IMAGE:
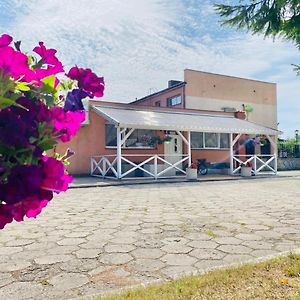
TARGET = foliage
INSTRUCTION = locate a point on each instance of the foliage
(270, 17)
(38, 109)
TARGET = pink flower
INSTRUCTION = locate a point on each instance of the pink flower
(5, 40)
(66, 123)
(15, 64)
(53, 65)
(55, 178)
(88, 81)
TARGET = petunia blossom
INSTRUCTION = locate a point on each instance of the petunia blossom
(74, 100)
(88, 81)
(54, 177)
(5, 40)
(66, 124)
(51, 64)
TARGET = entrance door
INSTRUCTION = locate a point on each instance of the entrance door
(173, 153)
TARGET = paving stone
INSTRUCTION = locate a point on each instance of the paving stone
(62, 249)
(66, 281)
(249, 237)
(87, 253)
(19, 242)
(115, 258)
(176, 248)
(147, 253)
(5, 279)
(237, 258)
(52, 259)
(208, 264)
(117, 248)
(205, 254)
(14, 265)
(71, 241)
(147, 265)
(174, 272)
(10, 250)
(228, 241)
(263, 253)
(178, 259)
(235, 249)
(258, 244)
(28, 290)
(79, 265)
(203, 244)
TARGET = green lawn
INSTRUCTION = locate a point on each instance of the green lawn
(275, 279)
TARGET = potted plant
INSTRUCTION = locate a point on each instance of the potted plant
(246, 169)
(192, 172)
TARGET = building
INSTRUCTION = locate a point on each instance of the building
(206, 116)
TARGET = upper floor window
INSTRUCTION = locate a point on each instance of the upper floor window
(174, 100)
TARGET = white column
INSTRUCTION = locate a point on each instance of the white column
(119, 153)
(189, 147)
(231, 152)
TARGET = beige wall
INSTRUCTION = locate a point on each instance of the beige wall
(213, 92)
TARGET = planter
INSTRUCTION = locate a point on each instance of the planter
(246, 171)
(191, 174)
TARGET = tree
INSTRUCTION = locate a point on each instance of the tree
(269, 17)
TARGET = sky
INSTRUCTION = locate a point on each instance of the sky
(138, 45)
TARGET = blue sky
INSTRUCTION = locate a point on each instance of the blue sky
(138, 45)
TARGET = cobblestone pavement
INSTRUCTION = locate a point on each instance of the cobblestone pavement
(97, 240)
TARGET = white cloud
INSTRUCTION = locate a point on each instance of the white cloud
(137, 45)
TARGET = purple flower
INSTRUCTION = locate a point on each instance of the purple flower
(73, 101)
(87, 80)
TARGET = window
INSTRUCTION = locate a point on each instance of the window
(205, 140)
(110, 135)
(196, 139)
(211, 140)
(174, 100)
(140, 138)
(224, 140)
(157, 103)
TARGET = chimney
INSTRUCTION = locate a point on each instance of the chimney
(172, 83)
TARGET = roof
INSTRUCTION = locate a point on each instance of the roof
(184, 121)
(175, 86)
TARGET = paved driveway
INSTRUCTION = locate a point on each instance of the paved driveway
(96, 240)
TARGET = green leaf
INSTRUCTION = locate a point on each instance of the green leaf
(22, 86)
(49, 81)
(5, 102)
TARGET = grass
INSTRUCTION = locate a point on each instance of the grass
(275, 279)
(209, 232)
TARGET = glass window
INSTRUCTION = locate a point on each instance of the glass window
(196, 140)
(157, 103)
(174, 100)
(139, 138)
(211, 140)
(224, 140)
(110, 135)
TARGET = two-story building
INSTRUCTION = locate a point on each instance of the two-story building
(205, 116)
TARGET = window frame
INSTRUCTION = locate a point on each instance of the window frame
(124, 146)
(210, 148)
(170, 98)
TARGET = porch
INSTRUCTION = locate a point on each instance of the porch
(178, 153)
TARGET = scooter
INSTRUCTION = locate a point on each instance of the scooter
(202, 167)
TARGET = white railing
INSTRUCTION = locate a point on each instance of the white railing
(260, 163)
(152, 166)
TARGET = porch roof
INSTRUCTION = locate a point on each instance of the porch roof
(182, 121)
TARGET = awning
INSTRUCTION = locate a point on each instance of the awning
(181, 121)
